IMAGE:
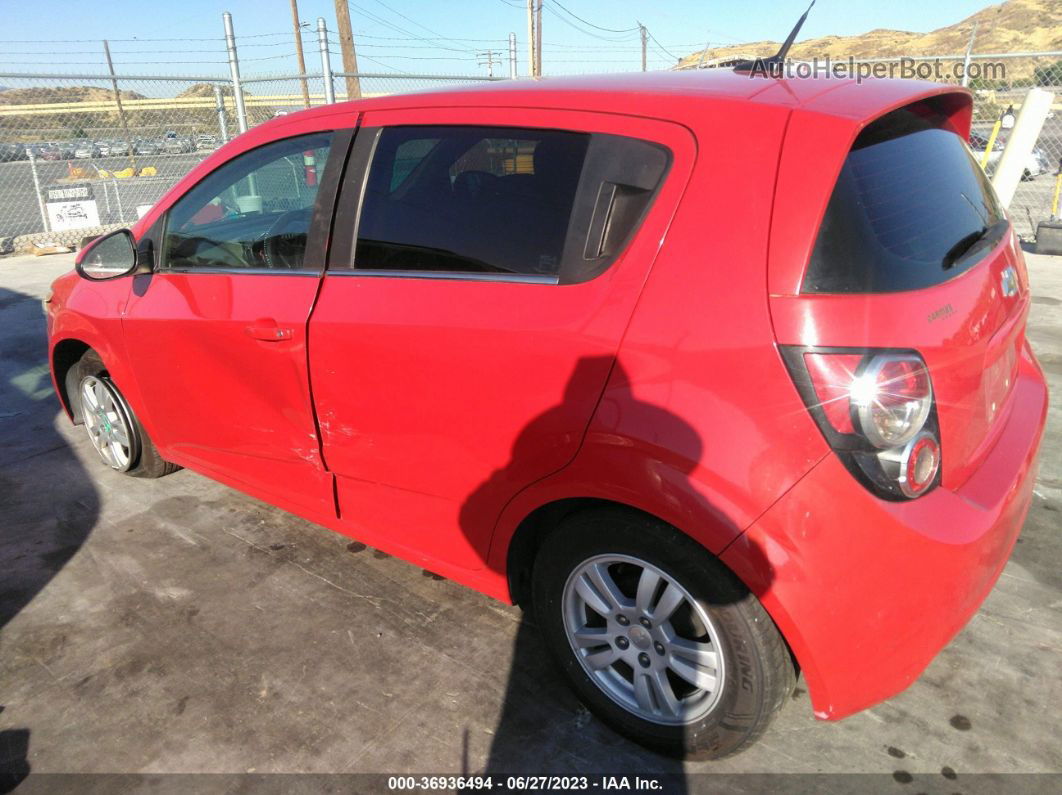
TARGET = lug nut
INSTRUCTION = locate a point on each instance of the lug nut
(645, 622)
(622, 643)
(659, 648)
(622, 620)
(643, 659)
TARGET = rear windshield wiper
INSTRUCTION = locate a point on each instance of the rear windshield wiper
(968, 244)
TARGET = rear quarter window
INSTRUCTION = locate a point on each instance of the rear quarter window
(911, 209)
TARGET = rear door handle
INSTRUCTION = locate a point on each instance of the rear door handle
(269, 331)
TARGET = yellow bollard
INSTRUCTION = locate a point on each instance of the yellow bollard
(991, 142)
(1058, 190)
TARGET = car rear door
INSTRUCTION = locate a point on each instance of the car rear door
(217, 334)
(475, 298)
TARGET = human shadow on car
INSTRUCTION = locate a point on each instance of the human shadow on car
(48, 503)
(543, 727)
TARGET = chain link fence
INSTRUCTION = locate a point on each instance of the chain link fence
(83, 152)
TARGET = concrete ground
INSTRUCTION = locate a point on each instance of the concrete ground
(177, 625)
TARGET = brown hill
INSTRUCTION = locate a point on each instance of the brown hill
(44, 96)
(1012, 26)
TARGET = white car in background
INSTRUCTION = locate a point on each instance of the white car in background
(1035, 163)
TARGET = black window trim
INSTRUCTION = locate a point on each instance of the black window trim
(320, 220)
(340, 260)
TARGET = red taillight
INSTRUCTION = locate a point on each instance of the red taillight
(875, 409)
(892, 397)
(831, 376)
(920, 465)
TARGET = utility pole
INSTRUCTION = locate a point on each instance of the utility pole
(118, 102)
(488, 60)
(346, 47)
(298, 52)
(531, 38)
(538, 39)
(512, 56)
(704, 52)
(645, 41)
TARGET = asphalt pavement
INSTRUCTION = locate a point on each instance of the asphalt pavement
(179, 626)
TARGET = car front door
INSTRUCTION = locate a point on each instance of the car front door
(484, 265)
(217, 333)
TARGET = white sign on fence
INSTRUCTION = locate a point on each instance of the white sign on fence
(71, 207)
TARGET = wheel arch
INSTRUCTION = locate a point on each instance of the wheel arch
(65, 355)
(530, 532)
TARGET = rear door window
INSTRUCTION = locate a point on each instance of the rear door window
(911, 209)
(545, 204)
(470, 200)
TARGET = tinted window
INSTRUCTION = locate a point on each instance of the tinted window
(470, 200)
(252, 212)
(911, 209)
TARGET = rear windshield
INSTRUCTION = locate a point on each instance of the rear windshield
(911, 209)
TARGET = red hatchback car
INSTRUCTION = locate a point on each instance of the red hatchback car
(723, 377)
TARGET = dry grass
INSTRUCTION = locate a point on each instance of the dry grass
(1013, 26)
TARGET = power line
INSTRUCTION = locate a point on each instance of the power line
(408, 19)
(585, 32)
(661, 46)
(591, 24)
(380, 20)
(421, 38)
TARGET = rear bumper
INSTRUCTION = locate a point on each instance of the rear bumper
(867, 591)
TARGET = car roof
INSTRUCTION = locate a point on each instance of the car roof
(667, 95)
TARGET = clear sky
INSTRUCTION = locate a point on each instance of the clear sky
(431, 36)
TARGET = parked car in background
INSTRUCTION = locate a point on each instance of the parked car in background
(118, 148)
(56, 151)
(1036, 162)
(87, 149)
(104, 148)
(719, 377)
(178, 145)
(146, 147)
(9, 152)
(206, 142)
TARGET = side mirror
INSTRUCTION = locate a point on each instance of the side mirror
(108, 257)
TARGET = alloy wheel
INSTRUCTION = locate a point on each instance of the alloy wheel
(109, 426)
(643, 639)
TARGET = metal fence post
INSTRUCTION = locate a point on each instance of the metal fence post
(512, 56)
(326, 63)
(37, 187)
(234, 67)
(223, 125)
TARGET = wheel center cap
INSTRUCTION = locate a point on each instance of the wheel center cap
(640, 638)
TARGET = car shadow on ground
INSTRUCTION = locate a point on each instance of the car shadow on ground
(544, 729)
(48, 504)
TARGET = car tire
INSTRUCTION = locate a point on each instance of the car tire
(112, 425)
(706, 717)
